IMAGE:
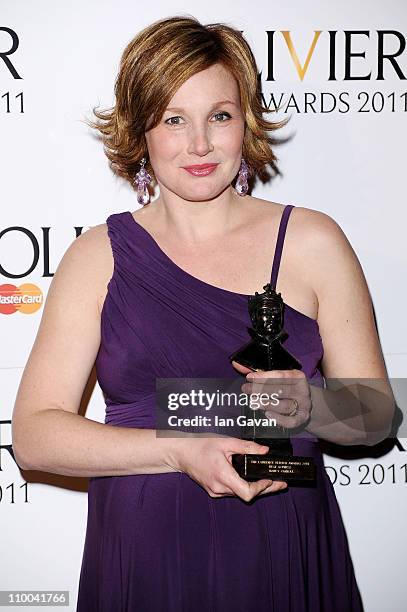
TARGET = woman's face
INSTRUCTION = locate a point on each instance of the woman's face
(202, 124)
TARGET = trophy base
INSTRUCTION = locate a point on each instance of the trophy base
(275, 467)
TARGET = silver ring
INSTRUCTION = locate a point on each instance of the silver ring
(294, 411)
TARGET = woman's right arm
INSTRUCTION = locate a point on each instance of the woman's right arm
(49, 435)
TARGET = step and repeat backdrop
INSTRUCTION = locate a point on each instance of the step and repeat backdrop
(339, 71)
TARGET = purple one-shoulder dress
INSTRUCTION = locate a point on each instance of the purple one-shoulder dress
(159, 542)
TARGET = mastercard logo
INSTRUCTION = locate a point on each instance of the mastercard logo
(26, 298)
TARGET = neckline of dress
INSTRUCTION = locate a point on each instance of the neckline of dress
(195, 279)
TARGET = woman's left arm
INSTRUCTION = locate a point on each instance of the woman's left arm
(352, 348)
(357, 404)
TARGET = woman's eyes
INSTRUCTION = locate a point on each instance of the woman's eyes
(168, 121)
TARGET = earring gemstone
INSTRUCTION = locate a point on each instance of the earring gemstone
(142, 180)
(242, 185)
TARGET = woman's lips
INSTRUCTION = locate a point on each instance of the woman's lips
(201, 170)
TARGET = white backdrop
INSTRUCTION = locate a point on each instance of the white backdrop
(346, 159)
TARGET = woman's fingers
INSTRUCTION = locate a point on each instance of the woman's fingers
(241, 368)
(247, 490)
(215, 472)
(276, 486)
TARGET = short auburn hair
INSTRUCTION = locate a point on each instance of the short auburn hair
(154, 65)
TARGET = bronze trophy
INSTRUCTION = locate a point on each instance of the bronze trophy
(265, 352)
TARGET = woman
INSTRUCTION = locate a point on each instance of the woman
(162, 292)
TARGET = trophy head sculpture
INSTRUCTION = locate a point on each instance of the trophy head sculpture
(266, 312)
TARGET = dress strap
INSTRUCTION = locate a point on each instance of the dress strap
(279, 244)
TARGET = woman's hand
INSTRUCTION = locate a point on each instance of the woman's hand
(294, 405)
(208, 461)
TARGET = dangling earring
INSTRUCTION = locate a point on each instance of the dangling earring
(142, 180)
(242, 185)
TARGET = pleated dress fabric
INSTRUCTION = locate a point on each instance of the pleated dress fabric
(159, 542)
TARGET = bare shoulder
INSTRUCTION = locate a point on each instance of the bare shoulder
(309, 232)
(321, 241)
(91, 252)
(267, 209)
(97, 240)
(320, 249)
(315, 225)
(316, 254)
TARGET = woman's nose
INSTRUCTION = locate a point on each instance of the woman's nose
(200, 141)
